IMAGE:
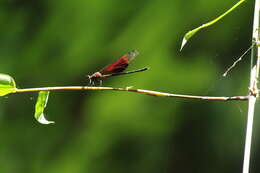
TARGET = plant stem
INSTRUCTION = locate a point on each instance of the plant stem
(129, 89)
(253, 94)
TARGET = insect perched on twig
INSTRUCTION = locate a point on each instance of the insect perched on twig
(115, 68)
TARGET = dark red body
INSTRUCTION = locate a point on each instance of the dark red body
(118, 66)
(121, 64)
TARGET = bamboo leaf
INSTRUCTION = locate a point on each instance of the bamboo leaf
(40, 106)
(7, 84)
(189, 34)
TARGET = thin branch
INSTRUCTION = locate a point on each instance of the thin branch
(130, 89)
(253, 94)
(237, 61)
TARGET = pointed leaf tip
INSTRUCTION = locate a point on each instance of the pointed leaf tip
(40, 106)
(43, 120)
(184, 41)
(7, 84)
(187, 36)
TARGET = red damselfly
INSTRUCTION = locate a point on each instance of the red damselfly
(115, 68)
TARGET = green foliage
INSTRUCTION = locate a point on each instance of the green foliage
(7, 84)
(40, 105)
(189, 34)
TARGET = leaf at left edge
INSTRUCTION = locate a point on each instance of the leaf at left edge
(7, 84)
(39, 107)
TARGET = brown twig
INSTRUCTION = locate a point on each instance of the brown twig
(130, 89)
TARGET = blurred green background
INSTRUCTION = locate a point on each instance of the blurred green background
(58, 42)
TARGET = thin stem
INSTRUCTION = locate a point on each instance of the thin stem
(129, 89)
(237, 61)
(253, 94)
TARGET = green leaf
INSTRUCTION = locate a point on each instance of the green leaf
(7, 84)
(39, 107)
(189, 34)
